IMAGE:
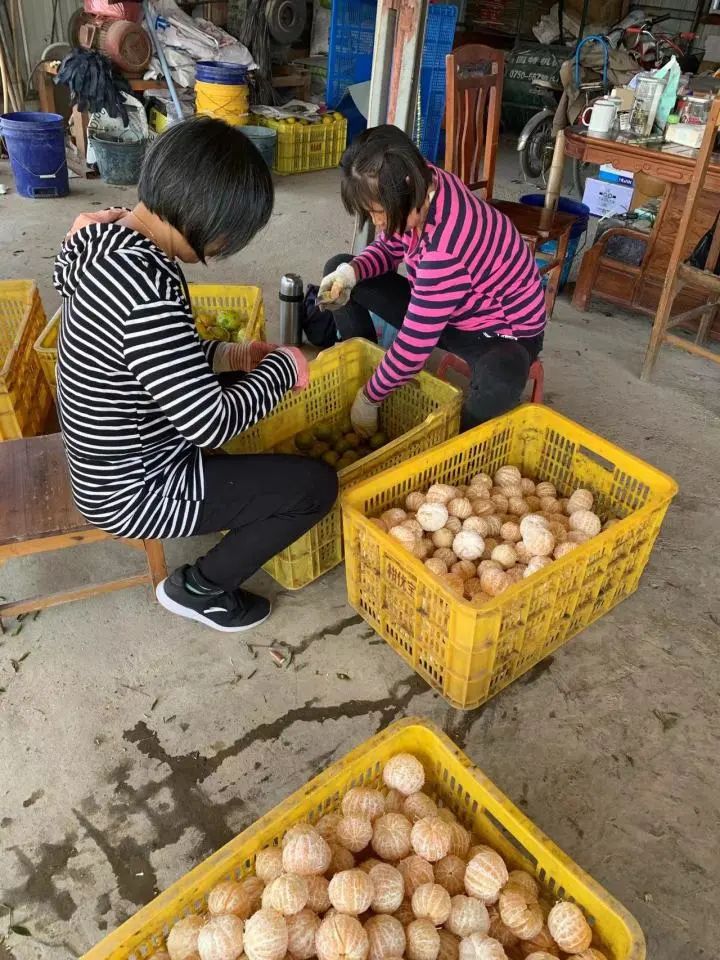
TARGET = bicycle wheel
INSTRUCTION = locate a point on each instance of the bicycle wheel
(535, 159)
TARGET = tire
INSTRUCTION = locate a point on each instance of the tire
(581, 171)
(536, 157)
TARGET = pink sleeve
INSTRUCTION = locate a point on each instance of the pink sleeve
(381, 256)
(441, 283)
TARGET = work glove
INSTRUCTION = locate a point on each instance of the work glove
(240, 357)
(301, 365)
(364, 414)
(336, 287)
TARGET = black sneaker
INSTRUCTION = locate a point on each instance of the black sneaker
(227, 612)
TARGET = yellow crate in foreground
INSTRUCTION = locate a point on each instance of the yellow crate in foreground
(453, 781)
(424, 412)
(303, 147)
(206, 298)
(467, 653)
(25, 399)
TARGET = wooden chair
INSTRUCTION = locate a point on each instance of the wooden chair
(37, 515)
(474, 82)
(679, 273)
(596, 259)
(474, 75)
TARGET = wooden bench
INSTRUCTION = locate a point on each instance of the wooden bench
(37, 515)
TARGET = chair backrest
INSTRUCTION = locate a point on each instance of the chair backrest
(474, 85)
(702, 163)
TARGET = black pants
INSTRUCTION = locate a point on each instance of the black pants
(499, 366)
(265, 502)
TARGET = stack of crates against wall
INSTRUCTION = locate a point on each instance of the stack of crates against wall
(25, 398)
(422, 413)
(304, 146)
(350, 55)
(238, 305)
(469, 653)
(453, 782)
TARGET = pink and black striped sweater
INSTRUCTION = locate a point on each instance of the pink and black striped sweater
(470, 269)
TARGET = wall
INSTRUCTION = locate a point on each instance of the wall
(38, 23)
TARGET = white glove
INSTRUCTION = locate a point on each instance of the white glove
(364, 414)
(336, 287)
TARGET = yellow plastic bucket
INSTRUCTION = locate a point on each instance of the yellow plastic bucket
(228, 102)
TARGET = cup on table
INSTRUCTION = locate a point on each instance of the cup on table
(599, 117)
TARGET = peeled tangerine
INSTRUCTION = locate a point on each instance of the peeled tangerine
(449, 946)
(585, 521)
(221, 938)
(430, 838)
(590, 954)
(230, 897)
(431, 902)
(479, 947)
(506, 475)
(391, 836)
(341, 938)
(415, 871)
(459, 839)
(305, 852)
(486, 875)
(386, 936)
(351, 891)
(388, 888)
(355, 833)
(253, 887)
(468, 545)
(579, 500)
(363, 802)
(441, 492)
(419, 805)
(467, 916)
(569, 928)
(542, 943)
(522, 915)
(287, 894)
(302, 928)
(423, 940)
(432, 515)
(183, 938)
(266, 936)
(450, 873)
(318, 899)
(269, 864)
(405, 773)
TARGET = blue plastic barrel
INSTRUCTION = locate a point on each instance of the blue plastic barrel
(565, 205)
(36, 145)
(215, 71)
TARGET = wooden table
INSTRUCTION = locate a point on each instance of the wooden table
(674, 166)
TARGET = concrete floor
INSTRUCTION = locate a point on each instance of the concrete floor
(134, 743)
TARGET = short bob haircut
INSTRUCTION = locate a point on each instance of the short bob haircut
(206, 179)
(384, 167)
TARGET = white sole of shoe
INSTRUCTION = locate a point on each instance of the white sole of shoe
(165, 601)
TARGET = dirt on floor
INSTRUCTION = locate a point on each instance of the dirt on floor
(134, 743)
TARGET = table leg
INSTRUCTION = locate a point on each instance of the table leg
(46, 92)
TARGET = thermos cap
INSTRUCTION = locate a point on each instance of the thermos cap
(291, 286)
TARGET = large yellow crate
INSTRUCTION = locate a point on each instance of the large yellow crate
(468, 653)
(303, 147)
(453, 781)
(424, 412)
(25, 399)
(208, 297)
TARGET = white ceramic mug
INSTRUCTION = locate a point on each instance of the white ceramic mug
(602, 116)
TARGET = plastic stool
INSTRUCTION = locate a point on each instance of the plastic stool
(536, 374)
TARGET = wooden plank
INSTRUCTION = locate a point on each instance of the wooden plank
(60, 541)
(18, 607)
(13, 470)
(691, 347)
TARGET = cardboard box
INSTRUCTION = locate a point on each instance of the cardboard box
(609, 174)
(605, 199)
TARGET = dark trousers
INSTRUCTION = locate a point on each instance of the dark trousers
(499, 367)
(265, 502)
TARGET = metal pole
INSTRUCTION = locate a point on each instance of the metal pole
(163, 61)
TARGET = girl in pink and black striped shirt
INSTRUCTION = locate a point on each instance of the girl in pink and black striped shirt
(472, 286)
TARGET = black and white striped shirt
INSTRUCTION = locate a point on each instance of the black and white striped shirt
(136, 393)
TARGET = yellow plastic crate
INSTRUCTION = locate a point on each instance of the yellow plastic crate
(468, 653)
(453, 781)
(303, 147)
(424, 412)
(209, 297)
(25, 399)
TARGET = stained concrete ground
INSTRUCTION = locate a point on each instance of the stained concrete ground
(135, 743)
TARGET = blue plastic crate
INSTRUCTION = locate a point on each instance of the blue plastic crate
(352, 39)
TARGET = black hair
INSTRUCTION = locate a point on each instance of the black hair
(206, 179)
(383, 166)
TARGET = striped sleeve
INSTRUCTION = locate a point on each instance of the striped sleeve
(381, 256)
(163, 352)
(441, 283)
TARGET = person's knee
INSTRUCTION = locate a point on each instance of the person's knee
(322, 485)
(334, 262)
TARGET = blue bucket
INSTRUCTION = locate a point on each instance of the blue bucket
(565, 205)
(214, 71)
(36, 145)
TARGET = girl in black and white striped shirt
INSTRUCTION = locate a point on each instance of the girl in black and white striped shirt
(140, 395)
